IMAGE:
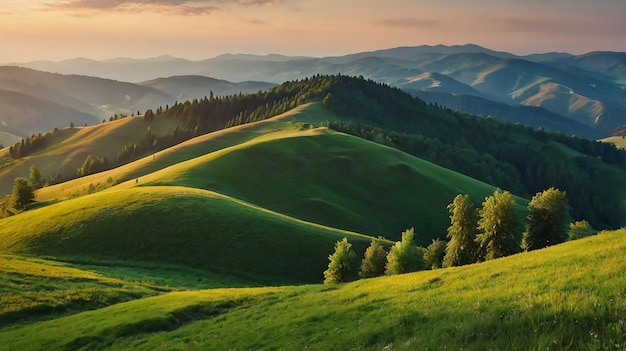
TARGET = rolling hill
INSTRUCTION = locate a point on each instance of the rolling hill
(527, 301)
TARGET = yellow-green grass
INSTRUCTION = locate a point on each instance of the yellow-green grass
(34, 289)
(67, 151)
(295, 119)
(567, 297)
(334, 179)
(174, 225)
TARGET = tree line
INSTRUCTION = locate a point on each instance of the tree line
(475, 235)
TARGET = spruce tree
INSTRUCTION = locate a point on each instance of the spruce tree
(462, 248)
(548, 212)
(373, 264)
(497, 227)
(340, 265)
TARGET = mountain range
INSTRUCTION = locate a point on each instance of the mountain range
(583, 94)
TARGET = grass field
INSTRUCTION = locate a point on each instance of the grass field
(567, 297)
(617, 140)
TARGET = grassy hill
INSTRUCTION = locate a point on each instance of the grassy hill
(320, 176)
(547, 299)
(67, 148)
(188, 227)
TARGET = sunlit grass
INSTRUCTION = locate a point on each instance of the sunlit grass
(567, 297)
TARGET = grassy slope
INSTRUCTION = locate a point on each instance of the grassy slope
(68, 150)
(319, 175)
(548, 299)
(183, 226)
(292, 120)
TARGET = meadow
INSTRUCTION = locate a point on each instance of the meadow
(567, 297)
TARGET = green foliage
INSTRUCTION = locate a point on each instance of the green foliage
(35, 177)
(92, 165)
(404, 256)
(434, 253)
(461, 248)
(340, 265)
(373, 263)
(22, 194)
(580, 229)
(548, 213)
(498, 227)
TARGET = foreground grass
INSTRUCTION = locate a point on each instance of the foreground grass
(568, 297)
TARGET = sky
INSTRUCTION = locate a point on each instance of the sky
(198, 29)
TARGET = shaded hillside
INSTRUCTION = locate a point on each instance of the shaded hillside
(189, 227)
(96, 96)
(535, 117)
(609, 64)
(197, 87)
(332, 179)
(24, 115)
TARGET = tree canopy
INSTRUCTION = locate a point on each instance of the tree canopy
(462, 247)
(340, 265)
(497, 227)
(404, 256)
(548, 213)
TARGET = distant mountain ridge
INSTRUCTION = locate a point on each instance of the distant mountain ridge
(585, 89)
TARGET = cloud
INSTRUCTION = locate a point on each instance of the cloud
(171, 7)
(409, 22)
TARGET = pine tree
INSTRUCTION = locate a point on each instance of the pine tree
(548, 212)
(373, 264)
(340, 265)
(462, 248)
(497, 227)
(404, 257)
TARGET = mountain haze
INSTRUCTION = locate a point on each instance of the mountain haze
(587, 89)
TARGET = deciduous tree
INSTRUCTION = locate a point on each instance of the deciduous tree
(404, 256)
(373, 264)
(22, 193)
(434, 253)
(548, 212)
(340, 265)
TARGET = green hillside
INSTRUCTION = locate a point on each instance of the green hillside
(334, 179)
(548, 299)
(188, 227)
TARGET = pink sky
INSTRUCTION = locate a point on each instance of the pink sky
(100, 29)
